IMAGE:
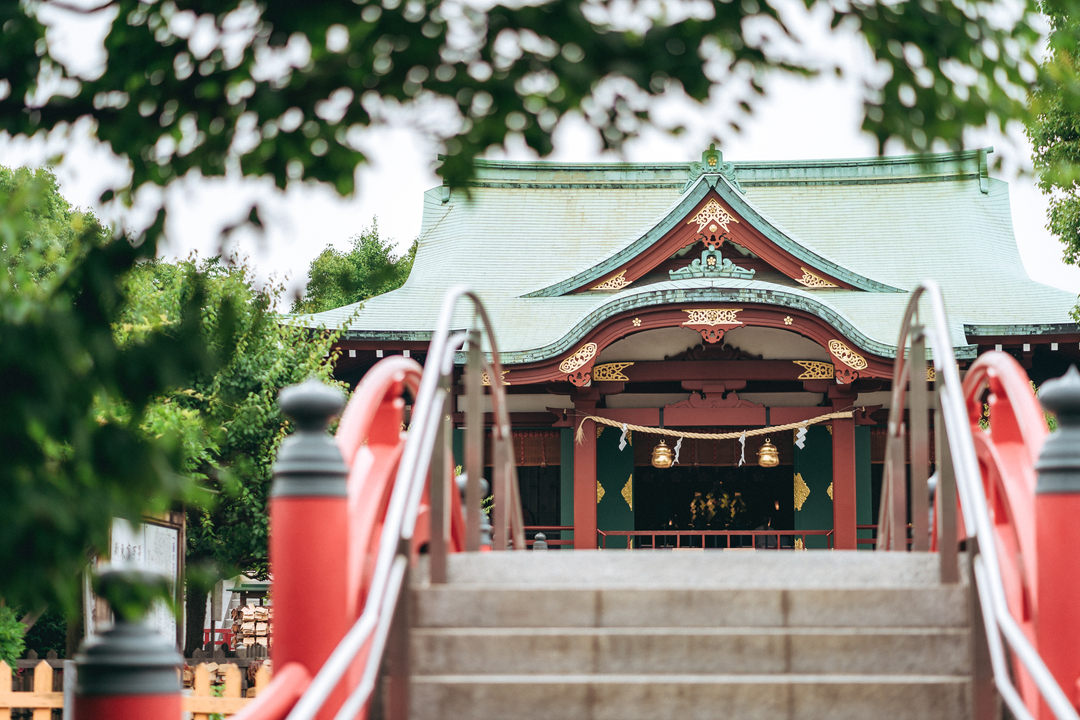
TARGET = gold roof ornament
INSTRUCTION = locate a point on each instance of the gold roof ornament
(768, 455)
(662, 456)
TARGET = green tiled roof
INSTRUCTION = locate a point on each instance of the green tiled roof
(525, 230)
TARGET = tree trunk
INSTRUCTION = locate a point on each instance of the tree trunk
(195, 613)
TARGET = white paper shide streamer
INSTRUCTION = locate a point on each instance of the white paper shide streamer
(800, 437)
(742, 450)
(622, 438)
(678, 447)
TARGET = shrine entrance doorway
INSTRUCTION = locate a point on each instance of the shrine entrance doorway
(708, 498)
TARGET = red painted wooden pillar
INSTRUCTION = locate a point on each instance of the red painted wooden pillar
(585, 487)
(843, 472)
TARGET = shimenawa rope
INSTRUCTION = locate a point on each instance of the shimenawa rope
(580, 435)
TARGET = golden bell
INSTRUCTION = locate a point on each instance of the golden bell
(661, 456)
(768, 455)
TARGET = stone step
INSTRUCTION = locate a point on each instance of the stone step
(678, 650)
(688, 697)
(528, 606)
(704, 569)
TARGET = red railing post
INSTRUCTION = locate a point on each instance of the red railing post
(129, 671)
(1057, 535)
(309, 535)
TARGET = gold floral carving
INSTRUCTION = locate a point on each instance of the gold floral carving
(599, 430)
(931, 374)
(485, 380)
(815, 370)
(637, 322)
(617, 282)
(802, 491)
(846, 355)
(599, 492)
(628, 492)
(799, 544)
(713, 316)
(610, 372)
(584, 354)
(811, 280)
(712, 212)
(828, 491)
(788, 320)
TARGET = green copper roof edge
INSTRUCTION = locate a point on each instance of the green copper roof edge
(697, 295)
(614, 185)
(690, 198)
(503, 184)
(1024, 329)
(919, 158)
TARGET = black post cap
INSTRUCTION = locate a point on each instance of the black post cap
(1059, 461)
(309, 463)
(130, 658)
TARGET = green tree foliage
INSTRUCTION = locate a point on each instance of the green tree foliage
(75, 400)
(367, 269)
(228, 420)
(278, 88)
(12, 641)
(1054, 130)
(49, 632)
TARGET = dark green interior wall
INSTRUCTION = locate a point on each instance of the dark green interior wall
(614, 469)
(864, 501)
(814, 464)
(457, 441)
(566, 483)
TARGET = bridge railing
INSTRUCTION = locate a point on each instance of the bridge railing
(394, 513)
(1022, 592)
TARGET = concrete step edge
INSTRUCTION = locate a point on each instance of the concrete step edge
(770, 679)
(692, 631)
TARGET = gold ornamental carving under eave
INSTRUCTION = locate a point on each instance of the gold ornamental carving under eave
(802, 491)
(713, 316)
(628, 492)
(712, 212)
(610, 372)
(815, 370)
(599, 492)
(617, 282)
(811, 280)
(485, 380)
(828, 491)
(584, 354)
(846, 355)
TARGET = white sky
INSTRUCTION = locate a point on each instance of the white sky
(799, 120)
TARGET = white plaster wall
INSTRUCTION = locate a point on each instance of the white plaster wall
(775, 344)
(525, 403)
(650, 345)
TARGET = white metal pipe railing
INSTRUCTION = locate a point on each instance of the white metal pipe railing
(391, 565)
(999, 625)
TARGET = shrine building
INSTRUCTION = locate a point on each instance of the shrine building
(713, 297)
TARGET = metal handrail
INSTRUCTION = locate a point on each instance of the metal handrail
(1000, 626)
(391, 566)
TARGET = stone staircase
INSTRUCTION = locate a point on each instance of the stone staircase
(690, 636)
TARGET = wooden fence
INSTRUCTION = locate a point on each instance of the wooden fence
(206, 698)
